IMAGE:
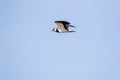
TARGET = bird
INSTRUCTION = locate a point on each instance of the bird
(62, 27)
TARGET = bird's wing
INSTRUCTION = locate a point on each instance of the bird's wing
(62, 26)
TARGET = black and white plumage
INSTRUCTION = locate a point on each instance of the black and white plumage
(62, 27)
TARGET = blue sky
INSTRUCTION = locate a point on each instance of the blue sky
(29, 50)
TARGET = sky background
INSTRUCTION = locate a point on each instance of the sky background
(29, 50)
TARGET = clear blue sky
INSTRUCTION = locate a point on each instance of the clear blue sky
(29, 50)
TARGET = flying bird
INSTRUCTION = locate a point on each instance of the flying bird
(62, 27)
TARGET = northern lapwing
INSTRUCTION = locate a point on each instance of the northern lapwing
(62, 27)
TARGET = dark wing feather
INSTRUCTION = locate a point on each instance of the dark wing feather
(66, 26)
(64, 22)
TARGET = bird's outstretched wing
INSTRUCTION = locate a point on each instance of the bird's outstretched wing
(63, 24)
(62, 27)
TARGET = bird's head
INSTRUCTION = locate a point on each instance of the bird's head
(54, 29)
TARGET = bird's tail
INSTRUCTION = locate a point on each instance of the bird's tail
(72, 26)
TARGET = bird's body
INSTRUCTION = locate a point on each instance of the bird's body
(62, 27)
